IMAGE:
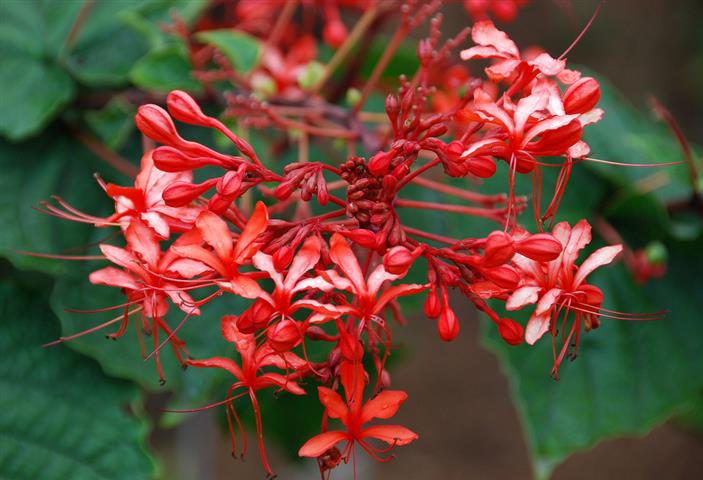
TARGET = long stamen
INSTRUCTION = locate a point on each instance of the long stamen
(90, 330)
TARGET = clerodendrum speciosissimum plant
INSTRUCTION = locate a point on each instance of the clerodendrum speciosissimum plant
(335, 276)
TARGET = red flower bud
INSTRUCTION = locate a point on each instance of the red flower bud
(432, 305)
(284, 335)
(511, 331)
(504, 276)
(184, 109)
(335, 33)
(155, 123)
(179, 194)
(379, 163)
(255, 317)
(499, 249)
(541, 247)
(362, 237)
(482, 167)
(398, 260)
(448, 325)
(581, 96)
(282, 257)
(169, 159)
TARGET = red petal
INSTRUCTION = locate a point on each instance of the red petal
(219, 362)
(216, 234)
(342, 255)
(319, 444)
(333, 403)
(256, 224)
(384, 405)
(391, 434)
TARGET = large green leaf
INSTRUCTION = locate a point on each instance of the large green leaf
(61, 416)
(33, 88)
(164, 70)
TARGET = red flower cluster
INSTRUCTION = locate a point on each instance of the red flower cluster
(335, 276)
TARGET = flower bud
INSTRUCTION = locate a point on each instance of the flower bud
(542, 247)
(511, 331)
(499, 249)
(398, 260)
(362, 237)
(169, 159)
(504, 276)
(448, 325)
(335, 33)
(255, 317)
(282, 257)
(183, 108)
(432, 305)
(284, 335)
(154, 122)
(180, 194)
(482, 167)
(582, 96)
(379, 163)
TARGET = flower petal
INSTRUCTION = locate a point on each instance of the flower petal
(383, 405)
(344, 257)
(114, 277)
(258, 222)
(537, 326)
(391, 434)
(306, 258)
(600, 257)
(216, 234)
(522, 296)
(219, 362)
(319, 444)
(333, 403)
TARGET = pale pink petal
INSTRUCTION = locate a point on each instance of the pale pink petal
(579, 149)
(243, 286)
(600, 257)
(527, 106)
(537, 326)
(157, 223)
(142, 241)
(378, 277)
(486, 34)
(522, 296)
(306, 258)
(188, 268)
(547, 64)
(547, 301)
(264, 263)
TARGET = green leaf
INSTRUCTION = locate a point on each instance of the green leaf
(62, 417)
(33, 93)
(628, 377)
(242, 50)
(33, 171)
(114, 123)
(33, 88)
(164, 70)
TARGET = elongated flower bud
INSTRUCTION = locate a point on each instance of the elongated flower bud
(399, 259)
(447, 325)
(179, 194)
(498, 250)
(504, 276)
(255, 317)
(541, 247)
(184, 109)
(379, 163)
(282, 257)
(482, 167)
(362, 237)
(432, 305)
(155, 123)
(511, 331)
(582, 96)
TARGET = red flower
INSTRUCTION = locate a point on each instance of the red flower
(227, 255)
(354, 414)
(559, 287)
(250, 377)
